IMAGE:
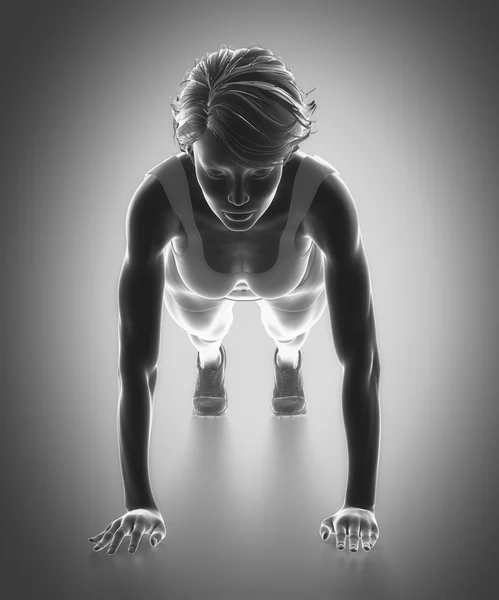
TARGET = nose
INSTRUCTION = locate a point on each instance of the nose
(239, 199)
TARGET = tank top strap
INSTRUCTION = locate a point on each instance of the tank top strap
(171, 174)
(311, 173)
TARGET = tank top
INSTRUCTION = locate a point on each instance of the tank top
(290, 267)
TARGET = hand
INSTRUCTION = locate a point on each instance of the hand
(135, 522)
(356, 523)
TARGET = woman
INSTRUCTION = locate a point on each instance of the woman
(241, 214)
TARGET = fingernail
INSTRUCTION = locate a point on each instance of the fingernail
(97, 547)
(154, 542)
(341, 547)
(131, 550)
(325, 535)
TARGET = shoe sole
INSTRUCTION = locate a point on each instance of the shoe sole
(214, 407)
(288, 407)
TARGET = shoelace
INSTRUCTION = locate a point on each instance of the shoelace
(289, 382)
(206, 382)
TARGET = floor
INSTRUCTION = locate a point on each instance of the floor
(242, 495)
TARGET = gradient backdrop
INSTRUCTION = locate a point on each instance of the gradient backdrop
(407, 96)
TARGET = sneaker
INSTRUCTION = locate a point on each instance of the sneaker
(210, 396)
(288, 398)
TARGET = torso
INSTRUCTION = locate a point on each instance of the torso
(254, 251)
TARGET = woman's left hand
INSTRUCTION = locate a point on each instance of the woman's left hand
(358, 524)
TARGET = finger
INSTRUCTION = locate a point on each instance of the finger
(137, 534)
(365, 534)
(108, 536)
(118, 537)
(353, 534)
(100, 535)
(341, 535)
(157, 535)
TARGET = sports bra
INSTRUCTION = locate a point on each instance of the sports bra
(278, 281)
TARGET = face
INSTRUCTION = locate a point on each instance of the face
(237, 195)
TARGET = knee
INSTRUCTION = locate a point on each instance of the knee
(283, 326)
(210, 328)
(288, 325)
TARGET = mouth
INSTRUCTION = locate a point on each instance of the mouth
(239, 217)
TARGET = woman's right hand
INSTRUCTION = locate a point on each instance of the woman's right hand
(135, 523)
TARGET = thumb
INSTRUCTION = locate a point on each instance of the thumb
(326, 529)
(156, 537)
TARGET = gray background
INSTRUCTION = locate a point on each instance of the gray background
(407, 96)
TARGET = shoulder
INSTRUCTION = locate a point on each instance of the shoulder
(332, 220)
(169, 166)
(315, 163)
(151, 222)
(150, 199)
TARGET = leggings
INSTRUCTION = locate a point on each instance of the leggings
(287, 320)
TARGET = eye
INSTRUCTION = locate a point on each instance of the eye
(215, 174)
(261, 173)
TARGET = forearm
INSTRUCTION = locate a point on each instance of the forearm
(134, 429)
(361, 416)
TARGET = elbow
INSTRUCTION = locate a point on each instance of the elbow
(361, 382)
(376, 366)
(364, 362)
(131, 366)
(137, 354)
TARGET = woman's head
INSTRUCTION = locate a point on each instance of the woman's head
(250, 103)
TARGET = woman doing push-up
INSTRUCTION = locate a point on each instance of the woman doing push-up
(242, 214)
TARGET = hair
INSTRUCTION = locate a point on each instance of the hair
(250, 102)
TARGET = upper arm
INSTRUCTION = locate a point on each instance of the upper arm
(150, 222)
(149, 228)
(348, 287)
